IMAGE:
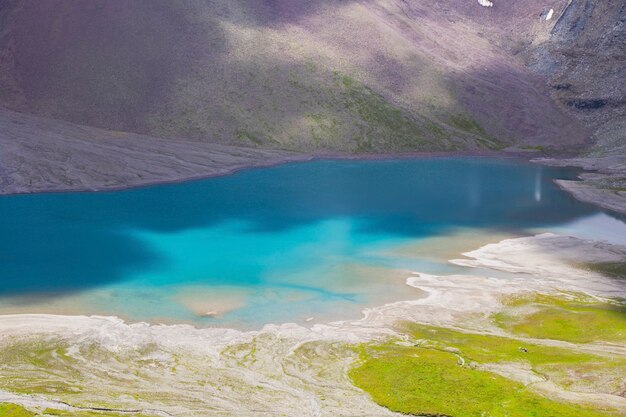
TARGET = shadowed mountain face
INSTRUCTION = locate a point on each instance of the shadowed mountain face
(584, 61)
(359, 76)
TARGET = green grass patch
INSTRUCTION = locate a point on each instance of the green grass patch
(567, 368)
(13, 410)
(426, 381)
(573, 319)
(492, 349)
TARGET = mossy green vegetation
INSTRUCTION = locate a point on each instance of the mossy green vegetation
(86, 413)
(565, 367)
(537, 148)
(40, 358)
(385, 125)
(483, 348)
(379, 117)
(421, 380)
(433, 370)
(263, 375)
(13, 410)
(244, 135)
(465, 123)
(612, 269)
(571, 317)
(310, 108)
(449, 372)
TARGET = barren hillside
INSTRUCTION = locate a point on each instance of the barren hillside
(344, 75)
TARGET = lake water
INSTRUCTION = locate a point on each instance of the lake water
(296, 242)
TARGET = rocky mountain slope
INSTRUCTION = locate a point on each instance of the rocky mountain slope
(341, 75)
(38, 154)
(584, 61)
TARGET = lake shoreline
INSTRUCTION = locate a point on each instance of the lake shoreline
(603, 182)
(463, 303)
(328, 221)
(557, 269)
(584, 189)
(253, 164)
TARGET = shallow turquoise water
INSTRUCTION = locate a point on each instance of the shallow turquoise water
(264, 245)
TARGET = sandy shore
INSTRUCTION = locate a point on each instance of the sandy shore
(291, 369)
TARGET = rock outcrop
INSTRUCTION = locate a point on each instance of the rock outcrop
(584, 61)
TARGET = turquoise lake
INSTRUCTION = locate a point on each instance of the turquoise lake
(297, 242)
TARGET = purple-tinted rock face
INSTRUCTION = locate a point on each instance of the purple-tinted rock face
(329, 75)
